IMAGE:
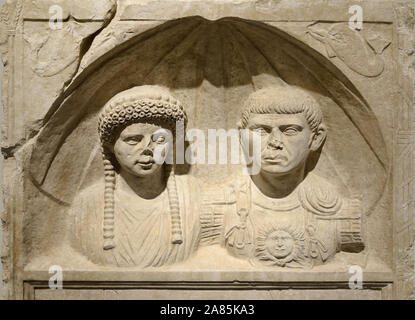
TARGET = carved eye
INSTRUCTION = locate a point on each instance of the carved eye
(260, 131)
(160, 139)
(291, 131)
(133, 140)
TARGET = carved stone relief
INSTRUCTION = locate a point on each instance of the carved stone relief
(148, 216)
(361, 54)
(286, 215)
(112, 175)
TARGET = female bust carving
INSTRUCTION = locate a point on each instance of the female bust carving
(142, 214)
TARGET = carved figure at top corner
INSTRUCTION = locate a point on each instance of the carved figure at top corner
(361, 54)
(142, 214)
(285, 215)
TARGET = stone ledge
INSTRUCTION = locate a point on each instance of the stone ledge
(205, 286)
(209, 279)
(285, 10)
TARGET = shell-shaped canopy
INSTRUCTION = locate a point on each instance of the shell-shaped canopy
(211, 66)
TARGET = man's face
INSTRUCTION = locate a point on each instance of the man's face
(285, 141)
(136, 146)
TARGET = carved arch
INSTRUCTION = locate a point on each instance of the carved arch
(211, 66)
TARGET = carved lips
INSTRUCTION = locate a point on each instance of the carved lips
(146, 162)
(273, 155)
(275, 159)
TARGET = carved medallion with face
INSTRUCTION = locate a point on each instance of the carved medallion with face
(138, 151)
(280, 244)
(286, 141)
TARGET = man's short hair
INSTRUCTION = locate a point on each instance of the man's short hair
(283, 100)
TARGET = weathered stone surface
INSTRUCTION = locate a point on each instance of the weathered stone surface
(261, 10)
(205, 295)
(91, 108)
(79, 10)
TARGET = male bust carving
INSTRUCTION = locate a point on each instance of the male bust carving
(285, 216)
(142, 214)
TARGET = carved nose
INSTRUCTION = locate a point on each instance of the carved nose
(276, 144)
(279, 243)
(275, 140)
(149, 147)
(148, 151)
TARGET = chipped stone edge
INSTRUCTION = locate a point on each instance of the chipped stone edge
(10, 16)
(13, 148)
(403, 256)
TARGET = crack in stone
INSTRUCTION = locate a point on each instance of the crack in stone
(9, 151)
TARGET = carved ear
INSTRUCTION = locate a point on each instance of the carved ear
(240, 129)
(318, 138)
(239, 125)
(242, 141)
(244, 144)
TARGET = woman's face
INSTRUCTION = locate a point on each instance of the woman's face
(141, 148)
